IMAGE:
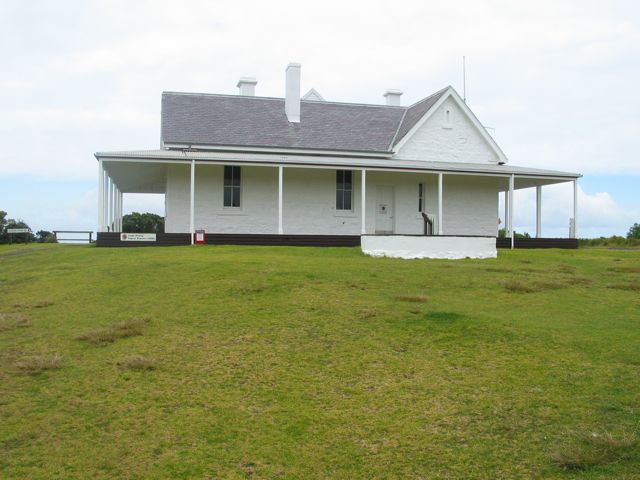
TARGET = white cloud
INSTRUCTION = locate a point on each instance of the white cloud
(598, 214)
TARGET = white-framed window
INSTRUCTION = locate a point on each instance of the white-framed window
(231, 188)
(344, 189)
(421, 197)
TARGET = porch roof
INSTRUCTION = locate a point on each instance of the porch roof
(318, 161)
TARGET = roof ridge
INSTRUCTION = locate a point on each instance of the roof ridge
(428, 97)
(393, 140)
(281, 99)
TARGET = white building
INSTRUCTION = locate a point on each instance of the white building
(305, 171)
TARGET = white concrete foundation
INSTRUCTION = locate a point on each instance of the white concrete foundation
(408, 246)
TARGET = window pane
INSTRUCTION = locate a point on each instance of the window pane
(347, 200)
(236, 176)
(347, 179)
(339, 179)
(339, 203)
(227, 196)
(236, 196)
(228, 173)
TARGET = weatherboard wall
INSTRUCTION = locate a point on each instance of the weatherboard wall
(470, 204)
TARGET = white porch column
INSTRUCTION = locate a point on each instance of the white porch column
(575, 208)
(506, 213)
(440, 223)
(192, 200)
(118, 208)
(538, 211)
(120, 203)
(363, 200)
(105, 200)
(280, 187)
(111, 188)
(115, 207)
(511, 185)
(100, 197)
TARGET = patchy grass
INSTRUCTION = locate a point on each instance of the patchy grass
(13, 320)
(36, 304)
(412, 298)
(586, 451)
(39, 363)
(443, 316)
(527, 286)
(124, 329)
(633, 287)
(314, 363)
(137, 362)
(625, 269)
(580, 281)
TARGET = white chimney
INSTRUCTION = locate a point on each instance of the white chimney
(292, 93)
(393, 97)
(247, 86)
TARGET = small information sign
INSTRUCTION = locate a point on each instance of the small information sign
(138, 237)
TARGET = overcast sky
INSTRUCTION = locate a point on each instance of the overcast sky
(557, 82)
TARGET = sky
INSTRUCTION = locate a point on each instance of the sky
(556, 82)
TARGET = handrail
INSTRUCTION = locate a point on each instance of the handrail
(428, 224)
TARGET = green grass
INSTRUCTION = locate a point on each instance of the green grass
(304, 363)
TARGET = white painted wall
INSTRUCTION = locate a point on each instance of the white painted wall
(470, 203)
(456, 140)
(408, 247)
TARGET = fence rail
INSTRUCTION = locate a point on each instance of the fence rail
(85, 239)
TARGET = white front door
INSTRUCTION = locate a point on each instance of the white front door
(384, 209)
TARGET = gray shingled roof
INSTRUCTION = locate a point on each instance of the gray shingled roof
(205, 119)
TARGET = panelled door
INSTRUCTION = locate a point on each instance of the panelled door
(384, 209)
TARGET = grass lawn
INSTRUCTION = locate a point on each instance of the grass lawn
(304, 363)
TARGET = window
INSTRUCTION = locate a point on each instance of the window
(420, 197)
(231, 186)
(344, 189)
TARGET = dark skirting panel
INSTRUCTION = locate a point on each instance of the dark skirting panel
(112, 239)
(567, 243)
(283, 240)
